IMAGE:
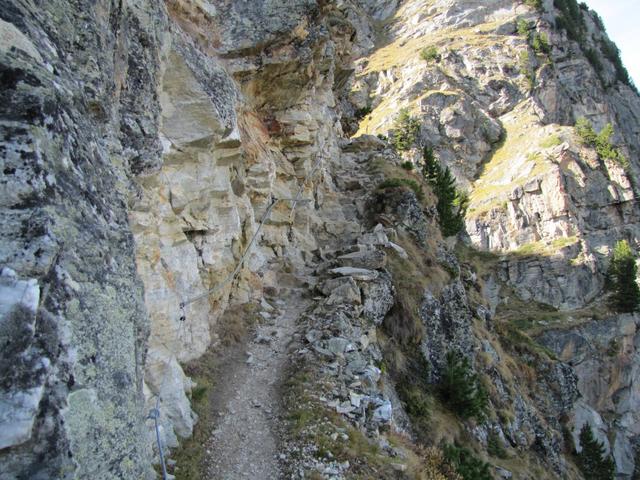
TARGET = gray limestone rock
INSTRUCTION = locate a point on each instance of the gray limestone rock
(359, 274)
(71, 138)
(368, 258)
(142, 141)
(448, 323)
(379, 297)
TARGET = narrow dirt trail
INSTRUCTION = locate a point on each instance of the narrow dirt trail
(244, 443)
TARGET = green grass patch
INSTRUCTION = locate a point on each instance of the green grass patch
(544, 248)
(430, 54)
(408, 165)
(514, 339)
(551, 141)
(190, 455)
(495, 447)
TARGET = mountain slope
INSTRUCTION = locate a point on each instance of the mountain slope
(169, 166)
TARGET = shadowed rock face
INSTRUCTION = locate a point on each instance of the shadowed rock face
(69, 141)
(604, 355)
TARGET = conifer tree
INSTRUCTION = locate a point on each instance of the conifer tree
(405, 131)
(461, 389)
(592, 459)
(622, 278)
(466, 464)
(431, 167)
(452, 203)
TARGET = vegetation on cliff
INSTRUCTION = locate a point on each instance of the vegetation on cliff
(600, 141)
(460, 388)
(452, 203)
(592, 459)
(622, 278)
(405, 131)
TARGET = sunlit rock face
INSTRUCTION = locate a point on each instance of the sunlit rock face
(238, 130)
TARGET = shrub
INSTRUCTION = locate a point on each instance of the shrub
(495, 447)
(430, 54)
(571, 19)
(537, 4)
(603, 143)
(551, 141)
(526, 69)
(600, 141)
(407, 165)
(613, 348)
(592, 460)
(417, 404)
(434, 466)
(523, 27)
(585, 131)
(405, 130)
(363, 112)
(466, 463)
(460, 388)
(403, 182)
(611, 53)
(621, 278)
(540, 43)
(452, 204)
(594, 59)
(598, 21)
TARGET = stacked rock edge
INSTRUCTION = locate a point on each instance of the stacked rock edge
(141, 143)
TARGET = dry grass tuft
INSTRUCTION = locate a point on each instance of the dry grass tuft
(190, 456)
(236, 323)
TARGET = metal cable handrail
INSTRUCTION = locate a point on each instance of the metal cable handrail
(154, 413)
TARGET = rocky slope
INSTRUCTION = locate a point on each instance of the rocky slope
(145, 144)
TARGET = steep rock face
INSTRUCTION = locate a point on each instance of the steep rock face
(215, 110)
(246, 119)
(497, 111)
(604, 355)
(73, 313)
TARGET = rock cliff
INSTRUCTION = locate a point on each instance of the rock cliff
(166, 164)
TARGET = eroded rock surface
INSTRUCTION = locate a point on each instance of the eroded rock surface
(144, 145)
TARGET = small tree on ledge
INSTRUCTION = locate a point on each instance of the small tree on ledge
(452, 203)
(461, 389)
(592, 459)
(621, 278)
(405, 130)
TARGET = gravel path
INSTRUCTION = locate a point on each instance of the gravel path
(245, 441)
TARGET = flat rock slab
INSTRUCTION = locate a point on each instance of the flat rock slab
(361, 274)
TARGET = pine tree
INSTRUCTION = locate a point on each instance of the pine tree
(452, 203)
(405, 131)
(466, 464)
(460, 388)
(621, 278)
(431, 167)
(592, 459)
